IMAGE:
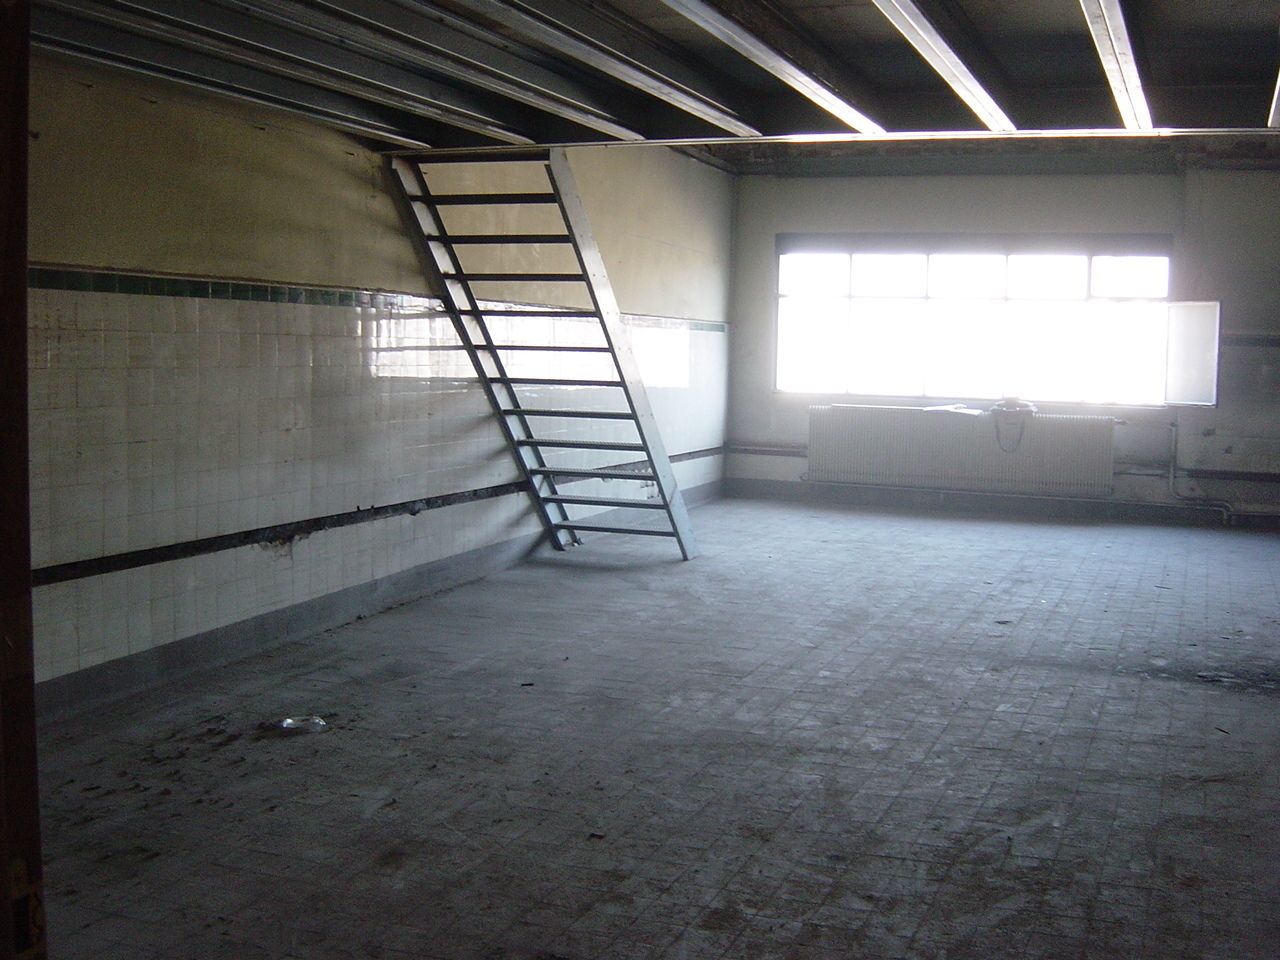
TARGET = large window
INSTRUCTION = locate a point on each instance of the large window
(1043, 326)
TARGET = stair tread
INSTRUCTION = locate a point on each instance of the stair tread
(518, 277)
(477, 199)
(484, 239)
(553, 314)
(538, 347)
(585, 414)
(582, 444)
(601, 472)
(557, 381)
(622, 502)
(460, 155)
(604, 528)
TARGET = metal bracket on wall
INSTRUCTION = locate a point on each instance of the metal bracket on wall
(549, 370)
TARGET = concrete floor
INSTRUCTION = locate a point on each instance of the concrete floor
(837, 734)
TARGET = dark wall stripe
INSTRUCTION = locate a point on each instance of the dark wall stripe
(103, 281)
(108, 281)
(281, 533)
(696, 454)
(767, 451)
(1251, 476)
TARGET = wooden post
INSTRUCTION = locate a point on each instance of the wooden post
(22, 920)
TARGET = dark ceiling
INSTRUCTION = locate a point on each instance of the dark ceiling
(460, 73)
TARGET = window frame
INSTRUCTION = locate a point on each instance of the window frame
(1006, 244)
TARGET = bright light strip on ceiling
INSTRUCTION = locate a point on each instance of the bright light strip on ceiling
(761, 54)
(1273, 120)
(920, 33)
(1111, 37)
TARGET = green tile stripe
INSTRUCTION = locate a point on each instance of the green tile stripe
(102, 281)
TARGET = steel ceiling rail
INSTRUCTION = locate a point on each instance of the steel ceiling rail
(918, 31)
(66, 36)
(430, 42)
(1273, 118)
(785, 66)
(586, 36)
(1111, 37)
(210, 29)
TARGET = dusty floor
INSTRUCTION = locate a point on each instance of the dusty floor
(837, 734)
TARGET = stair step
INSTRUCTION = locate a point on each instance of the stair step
(517, 277)
(496, 239)
(555, 382)
(506, 156)
(477, 199)
(602, 528)
(601, 473)
(553, 314)
(548, 348)
(621, 502)
(583, 414)
(583, 444)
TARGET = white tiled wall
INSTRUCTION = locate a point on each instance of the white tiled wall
(158, 420)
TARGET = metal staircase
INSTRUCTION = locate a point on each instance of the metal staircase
(541, 416)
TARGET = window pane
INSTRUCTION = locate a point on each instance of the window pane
(813, 274)
(1193, 353)
(1050, 343)
(813, 344)
(1146, 277)
(884, 343)
(968, 275)
(964, 349)
(1048, 276)
(889, 274)
(1132, 367)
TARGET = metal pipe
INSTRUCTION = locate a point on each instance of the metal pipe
(1221, 505)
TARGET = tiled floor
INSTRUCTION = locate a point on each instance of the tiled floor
(837, 734)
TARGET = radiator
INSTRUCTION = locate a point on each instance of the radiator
(910, 447)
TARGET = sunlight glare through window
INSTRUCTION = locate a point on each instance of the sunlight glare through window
(1144, 277)
(1040, 276)
(813, 274)
(889, 274)
(1054, 327)
(967, 275)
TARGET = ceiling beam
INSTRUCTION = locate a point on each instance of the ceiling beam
(81, 40)
(958, 31)
(206, 28)
(1273, 118)
(387, 29)
(1111, 37)
(584, 35)
(919, 30)
(765, 39)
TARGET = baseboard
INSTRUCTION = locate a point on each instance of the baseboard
(703, 493)
(971, 503)
(72, 692)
